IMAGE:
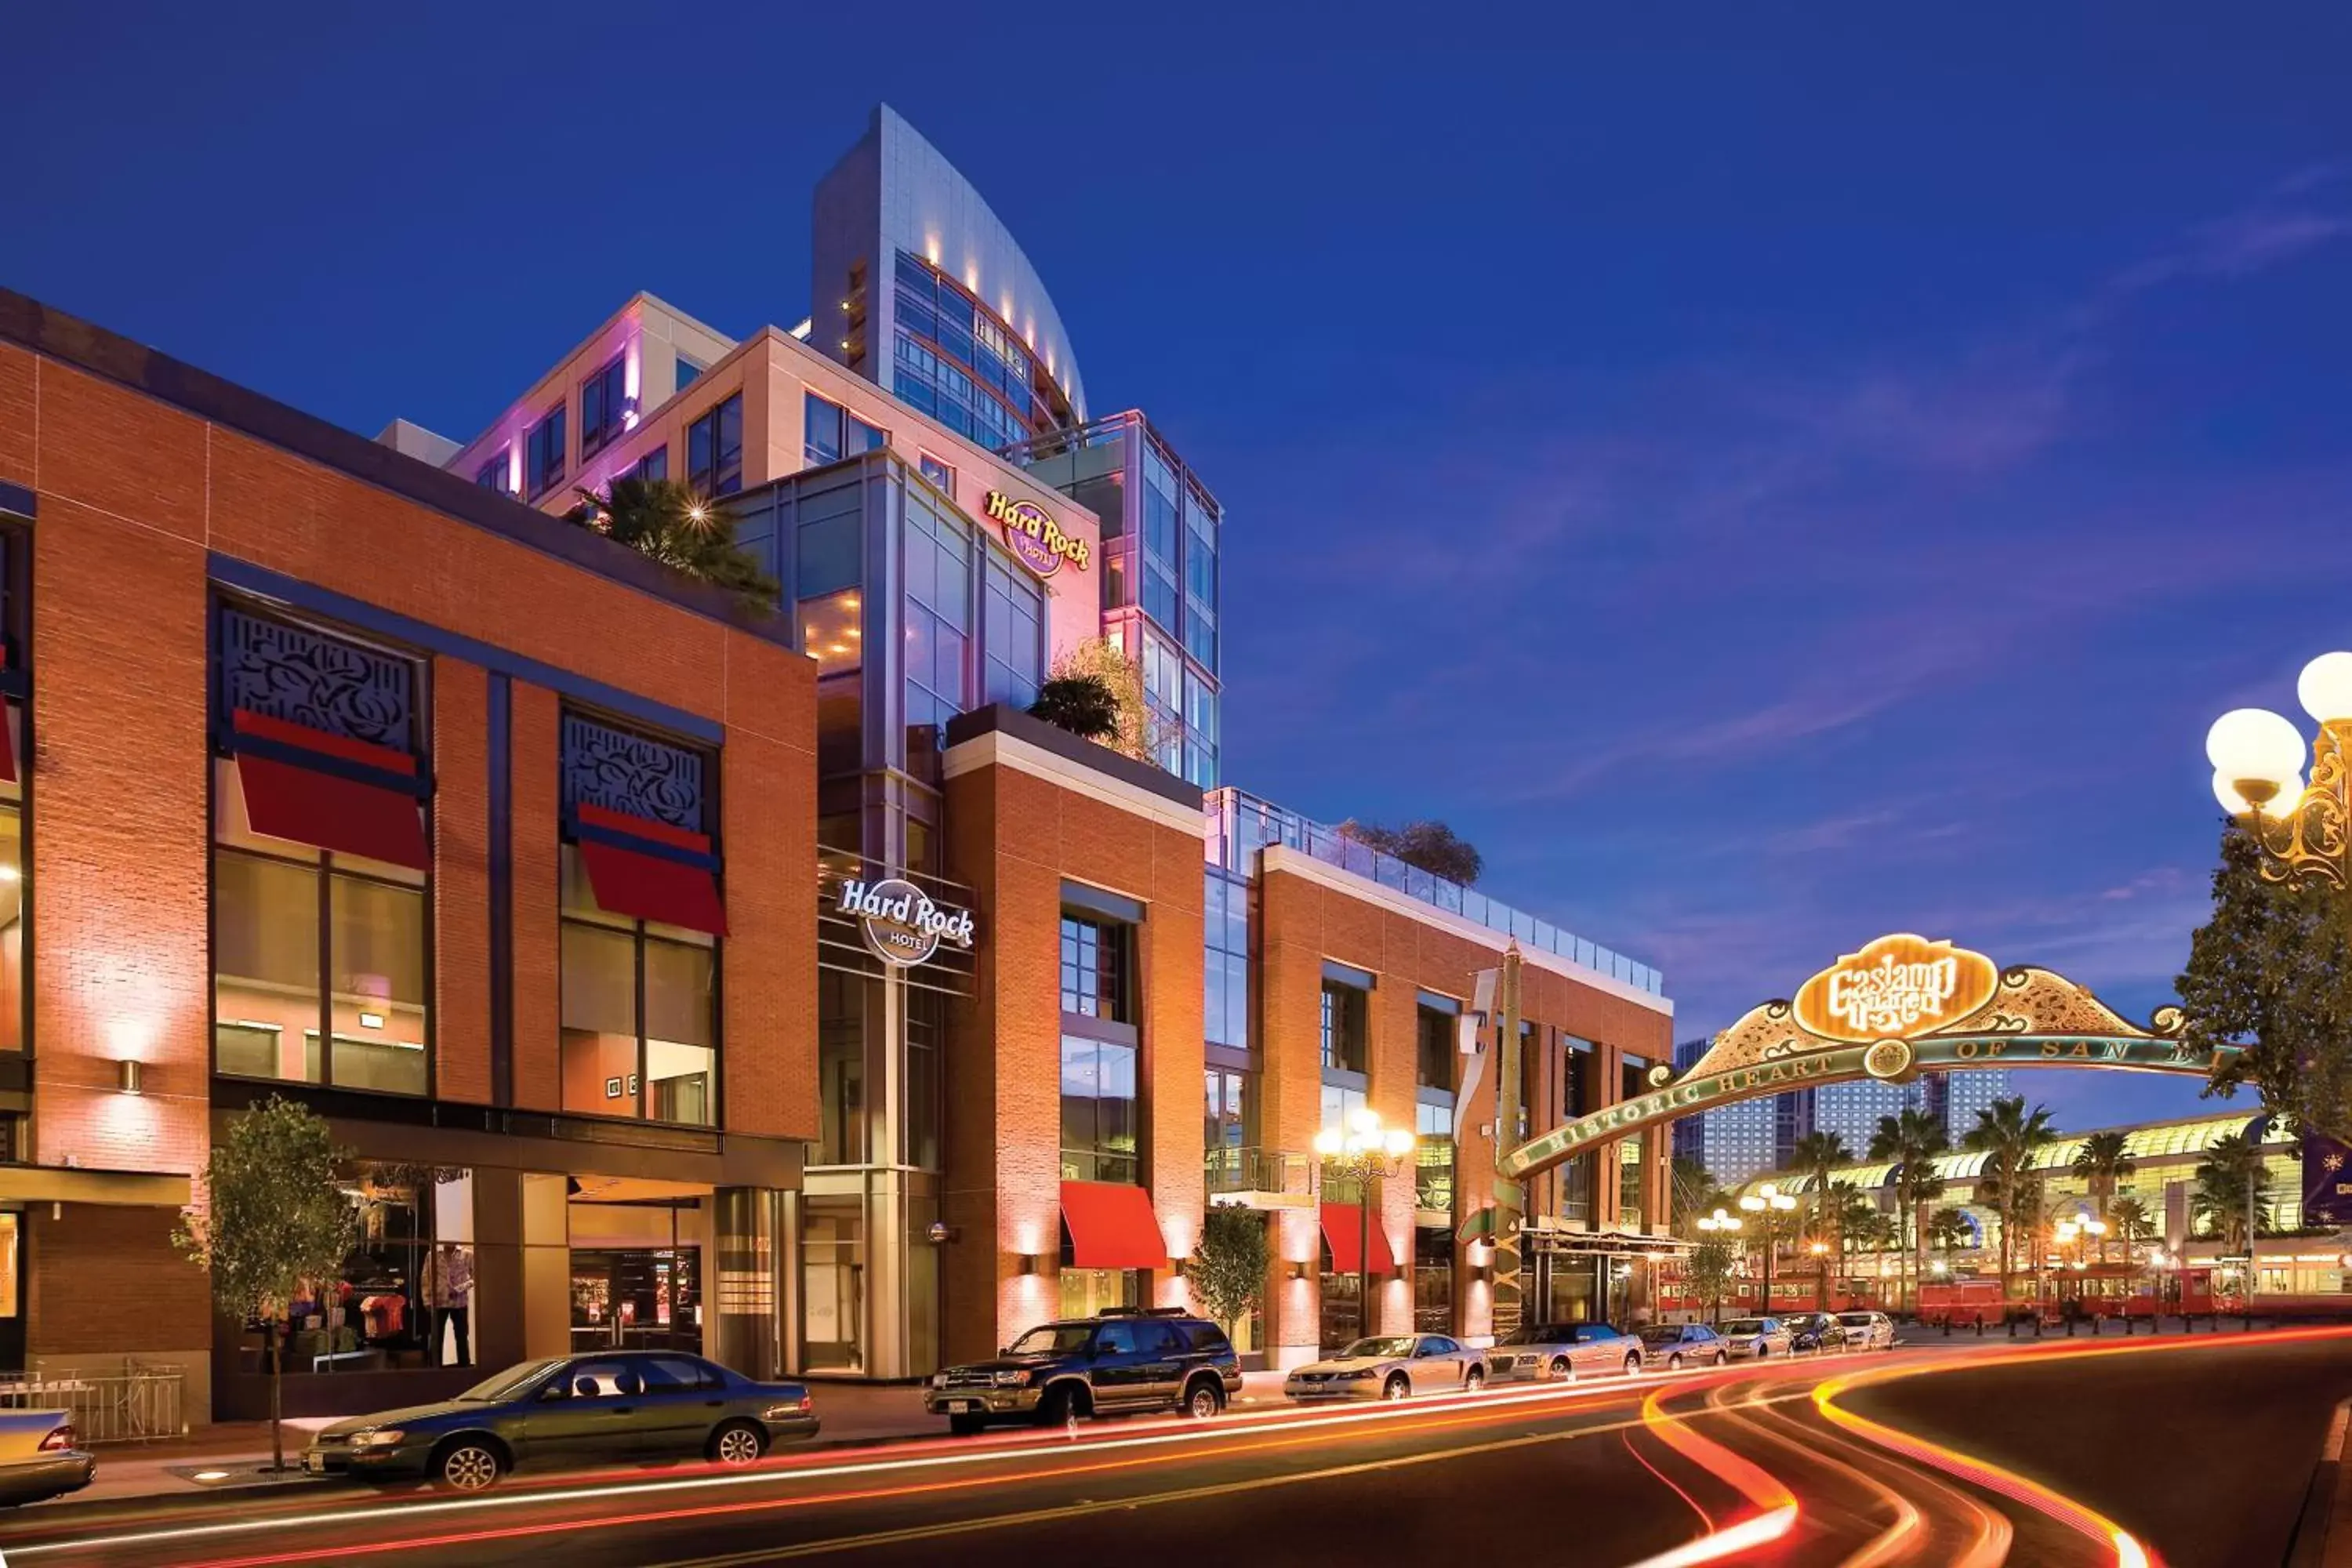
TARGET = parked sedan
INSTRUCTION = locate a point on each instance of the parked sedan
(39, 1458)
(1389, 1366)
(624, 1405)
(1816, 1331)
(1554, 1352)
(1754, 1339)
(1678, 1345)
(1868, 1330)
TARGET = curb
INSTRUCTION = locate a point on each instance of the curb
(2323, 1532)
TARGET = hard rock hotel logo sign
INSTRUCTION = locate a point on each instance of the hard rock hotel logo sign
(1896, 987)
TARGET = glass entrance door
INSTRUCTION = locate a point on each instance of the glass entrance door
(645, 1298)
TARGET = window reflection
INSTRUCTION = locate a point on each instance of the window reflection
(640, 1012)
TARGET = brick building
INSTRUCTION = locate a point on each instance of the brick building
(682, 972)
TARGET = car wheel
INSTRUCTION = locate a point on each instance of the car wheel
(1561, 1371)
(468, 1465)
(737, 1444)
(965, 1426)
(1633, 1366)
(1675, 1362)
(1058, 1408)
(1475, 1379)
(1396, 1387)
(1203, 1400)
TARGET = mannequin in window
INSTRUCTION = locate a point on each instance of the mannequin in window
(448, 1291)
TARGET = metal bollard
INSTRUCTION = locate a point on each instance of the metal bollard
(1948, 1328)
(2069, 1328)
(1980, 1325)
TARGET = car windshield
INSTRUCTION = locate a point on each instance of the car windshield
(510, 1383)
(1054, 1339)
(1664, 1334)
(1855, 1320)
(1395, 1346)
(1744, 1326)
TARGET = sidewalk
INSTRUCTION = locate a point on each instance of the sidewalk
(227, 1458)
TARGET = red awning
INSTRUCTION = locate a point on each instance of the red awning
(651, 887)
(1112, 1226)
(1343, 1234)
(285, 801)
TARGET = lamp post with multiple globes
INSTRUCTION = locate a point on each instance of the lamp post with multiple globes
(1364, 1149)
(2305, 831)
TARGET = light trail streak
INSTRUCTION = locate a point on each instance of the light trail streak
(895, 1459)
(1777, 1503)
(1757, 1530)
(2075, 1516)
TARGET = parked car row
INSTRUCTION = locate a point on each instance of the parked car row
(667, 1404)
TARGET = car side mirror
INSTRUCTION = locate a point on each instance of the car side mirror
(552, 1392)
(1004, 1349)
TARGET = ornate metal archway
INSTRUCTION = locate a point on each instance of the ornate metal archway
(1900, 1006)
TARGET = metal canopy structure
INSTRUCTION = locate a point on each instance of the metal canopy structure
(1900, 1006)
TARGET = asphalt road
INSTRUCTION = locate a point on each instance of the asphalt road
(1962, 1455)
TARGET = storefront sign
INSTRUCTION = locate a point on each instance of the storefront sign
(901, 923)
(1034, 536)
(1897, 987)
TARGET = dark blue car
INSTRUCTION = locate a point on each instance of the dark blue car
(618, 1405)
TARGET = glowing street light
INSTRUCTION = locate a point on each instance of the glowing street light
(1364, 1149)
(2258, 757)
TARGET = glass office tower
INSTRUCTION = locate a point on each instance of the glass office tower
(1160, 541)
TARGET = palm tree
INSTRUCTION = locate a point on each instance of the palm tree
(1085, 705)
(665, 520)
(1948, 1228)
(2130, 1221)
(2231, 1180)
(2007, 1137)
(2102, 1163)
(1816, 1154)
(1692, 1192)
(1913, 1140)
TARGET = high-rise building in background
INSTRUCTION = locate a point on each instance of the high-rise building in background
(1732, 1143)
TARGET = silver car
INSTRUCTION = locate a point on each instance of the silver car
(1389, 1366)
(1675, 1346)
(1556, 1352)
(1868, 1330)
(1755, 1339)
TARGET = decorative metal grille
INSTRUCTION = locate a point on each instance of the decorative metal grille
(633, 775)
(307, 677)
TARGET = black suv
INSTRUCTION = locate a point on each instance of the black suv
(1123, 1359)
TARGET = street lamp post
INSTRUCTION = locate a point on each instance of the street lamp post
(1719, 1222)
(1769, 1202)
(2305, 833)
(1364, 1149)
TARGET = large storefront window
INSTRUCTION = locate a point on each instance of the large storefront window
(406, 1295)
(840, 1068)
(637, 1298)
(1433, 1280)
(641, 914)
(1433, 1154)
(320, 911)
(938, 611)
(640, 1012)
(1343, 1027)
(1098, 1110)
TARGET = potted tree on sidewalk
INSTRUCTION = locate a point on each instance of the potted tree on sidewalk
(273, 1219)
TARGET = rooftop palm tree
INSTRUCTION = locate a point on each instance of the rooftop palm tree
(2009, 1138)
(1948, 1228)
(1085, 705)
(1913, 1141)
(665, 520)
(2102, 1163)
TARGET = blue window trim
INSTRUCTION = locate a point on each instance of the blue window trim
(243, 575)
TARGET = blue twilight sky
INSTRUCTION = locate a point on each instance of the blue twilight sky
(1767, 479)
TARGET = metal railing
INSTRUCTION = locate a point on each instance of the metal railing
(1259, 1171)
(1246, 823)
(140, 1404)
